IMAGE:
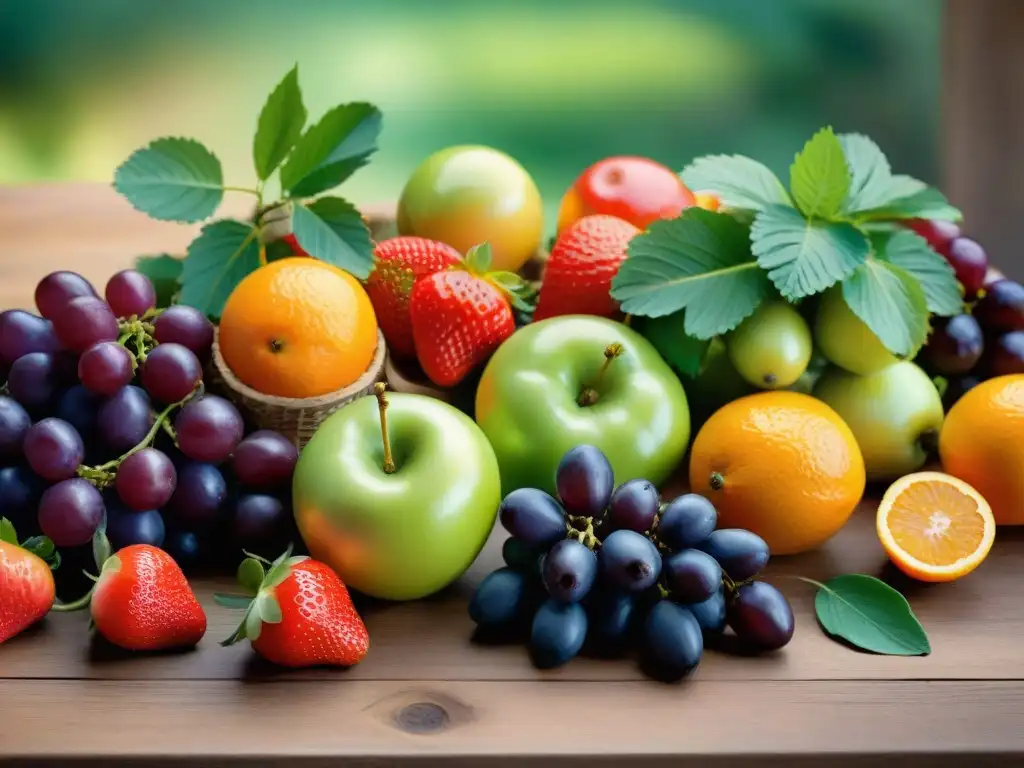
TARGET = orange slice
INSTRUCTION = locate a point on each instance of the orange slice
(934, 526)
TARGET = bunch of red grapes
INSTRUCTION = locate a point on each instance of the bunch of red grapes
(987, 338)
(105, 421)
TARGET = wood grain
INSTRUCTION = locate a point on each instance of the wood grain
(814, 700)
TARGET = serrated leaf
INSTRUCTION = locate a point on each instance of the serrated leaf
(870, 615)
(332, 150)
(172, 179)
(891, 303)
(7, 532)
(268, 607)
(332, 230)
(700, 261)
(936, 277)
(164, 272)
(805, 256)
(928, 203)
(872, 183)
(819, 177)
(739, 182)
(41, 546)
(280, 125)
(234, 602)
(668, 335)
(218, 260)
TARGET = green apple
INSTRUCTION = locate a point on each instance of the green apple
(405, 529)
(467, 195)
(772, 347)
(577, 379)
(845, 340)
(895, 415)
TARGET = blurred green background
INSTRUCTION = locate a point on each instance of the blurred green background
(556, 83)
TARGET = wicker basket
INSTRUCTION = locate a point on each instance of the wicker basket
(295, 418)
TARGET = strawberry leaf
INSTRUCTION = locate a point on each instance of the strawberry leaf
(218, 260)
(872, 183)
(280, 125)
(740, 183)
(912, 253)
(250, 575)
(234, 602)
(332, 230)
(163, 272)
(891, 303)
(520, 293)
(478, 259)
(7, 532)
(668, 335)
(819, 177)
(101, 555)
(332, 150)
(172, 179)
(253, 623)
(928, 203)
(268, 608)
(40, 546)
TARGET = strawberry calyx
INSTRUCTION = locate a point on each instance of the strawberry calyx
(40, 546)
(521, 294)
(258, 578)
(106, 562)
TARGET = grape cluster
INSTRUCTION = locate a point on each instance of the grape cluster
(104, 420)
(614, 568)
(985, 340)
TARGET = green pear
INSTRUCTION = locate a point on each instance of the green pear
(772, 347)
(845, 340)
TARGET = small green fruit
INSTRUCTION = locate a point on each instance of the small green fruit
(844, 338)
(895, 415)
(772, 347)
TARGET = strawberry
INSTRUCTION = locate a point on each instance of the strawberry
(584, 260)
(400, 263)
(297, 614)
(26, 580)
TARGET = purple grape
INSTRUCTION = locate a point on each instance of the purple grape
(130, 293)
(171, 372)
(692, 576)
(187, 326)
(105, 367)
(22, 333)
(78, 407)
(20, 490)
(124, 419)
(146, 480)
(14, 423)
(761, 616)
(686, 521)
(1002, 306)
(710, 613)
(258, 518)
(584, 480)
(184, 547)
(673, 641)
(199, 495)
(954, 346)
(533, 517)
(70, 512)
(629, 561)
(83, 322)
(208, 428)
(633, 506)
(264, 459)
(569, 571)
(1006, 354)
(53, 449)
(34, 380)
(58, 288)
(741, 553)
(126, 527)
(969, 262)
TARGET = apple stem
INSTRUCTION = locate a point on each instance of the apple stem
(716, 481)
(382, 405)
(589, 395)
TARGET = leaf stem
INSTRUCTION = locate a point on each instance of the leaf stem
(247, 190)
(382, 406)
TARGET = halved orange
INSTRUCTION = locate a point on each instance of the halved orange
(934, 526)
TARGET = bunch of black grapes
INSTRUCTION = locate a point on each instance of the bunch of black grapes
(614, 569)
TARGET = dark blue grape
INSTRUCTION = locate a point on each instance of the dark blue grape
(673, 642)
(499, 599)
(199, 496)
(20, 490)
(184, 546)
(686, 521)
(633, 506)
(761, 616)
(569, 571)
(610, 617)
(557, 634)
(710, 613)
(742, 554)
(517, 555)
(14, 423)
(692, 575)
(584, 481)
(533, 517)
(126, 527)
(258, 518)
(628, 560)
(78, 407)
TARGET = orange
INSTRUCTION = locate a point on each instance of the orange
(934, 526)
(982, 443)
(781, 464)
(298, 327)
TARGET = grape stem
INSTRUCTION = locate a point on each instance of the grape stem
(582, 530)
(379, 390)
(589, 395)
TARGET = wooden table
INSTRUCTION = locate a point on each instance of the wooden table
(426, 692)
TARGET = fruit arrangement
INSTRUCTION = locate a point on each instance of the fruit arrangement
(613, 567)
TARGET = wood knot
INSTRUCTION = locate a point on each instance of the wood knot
(422, 717)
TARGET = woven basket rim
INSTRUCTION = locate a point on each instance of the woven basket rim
(368, 379)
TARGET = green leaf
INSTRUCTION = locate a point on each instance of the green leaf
(218, 260)
(163, 271)
(701, 262)
(668, 335)
(40, 546)
(804, 257)
(519, 292)
(870, 615)
(7, 532)
(253, 623)
(332, 230)
(54, 560)
(740, 183)
(928, 203)
(332, 150)
(891, 303)
(478, 259)
(873, 184)
(936, 277)
(235, 602)
(280, 125)
(268, 607)
(250, 575)
(172, 179)
(101, 554)
(819, 177)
